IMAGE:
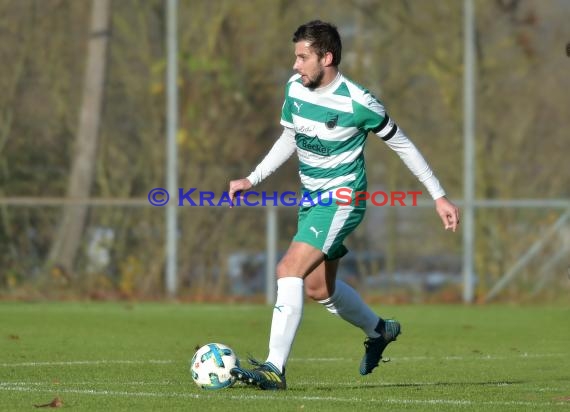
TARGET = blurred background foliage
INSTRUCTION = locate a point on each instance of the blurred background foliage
(234, 60)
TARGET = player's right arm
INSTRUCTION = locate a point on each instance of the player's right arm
(282, 150)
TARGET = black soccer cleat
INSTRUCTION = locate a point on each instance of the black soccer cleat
(265, 376)
(389, 330)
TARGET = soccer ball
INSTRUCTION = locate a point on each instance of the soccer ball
(211, 365)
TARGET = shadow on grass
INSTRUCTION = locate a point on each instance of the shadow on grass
(364, 385)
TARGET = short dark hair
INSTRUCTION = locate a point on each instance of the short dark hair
(323, 37)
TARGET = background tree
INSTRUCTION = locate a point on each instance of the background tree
(234, 62)
(71, 228)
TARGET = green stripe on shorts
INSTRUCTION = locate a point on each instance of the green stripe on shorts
(326, 227)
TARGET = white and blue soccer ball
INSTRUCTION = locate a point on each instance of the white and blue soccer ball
(211, 364)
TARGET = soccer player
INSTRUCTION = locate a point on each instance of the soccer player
(326, 118)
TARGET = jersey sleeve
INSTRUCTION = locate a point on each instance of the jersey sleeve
(286, 115)
(282, 150)
(372, 117)
(417, 164)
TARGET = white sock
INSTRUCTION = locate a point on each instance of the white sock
(348, 304)
(286, 319)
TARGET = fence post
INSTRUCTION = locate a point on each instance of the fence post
(271, 252)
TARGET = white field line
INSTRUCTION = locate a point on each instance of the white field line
(312, 383)
(171, 361)
(287, 397)
(88, 362)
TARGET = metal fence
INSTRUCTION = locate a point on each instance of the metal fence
(397, 254)
(506, 248)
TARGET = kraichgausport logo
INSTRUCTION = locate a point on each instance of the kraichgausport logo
(343, 196)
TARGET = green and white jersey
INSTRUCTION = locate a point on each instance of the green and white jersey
(327, 127)
(331, 125)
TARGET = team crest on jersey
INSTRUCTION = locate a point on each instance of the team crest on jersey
(331, 120)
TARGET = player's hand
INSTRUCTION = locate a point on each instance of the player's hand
(237, 186)
(448, 212)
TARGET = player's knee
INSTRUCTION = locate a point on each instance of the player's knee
(283, 269)
(316, 292)
(288, 267)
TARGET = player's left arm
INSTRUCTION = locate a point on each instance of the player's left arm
(395, 138)
(372, 116)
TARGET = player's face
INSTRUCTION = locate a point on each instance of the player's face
(308, 65)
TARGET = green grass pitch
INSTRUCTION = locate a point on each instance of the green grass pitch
(122, 356)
